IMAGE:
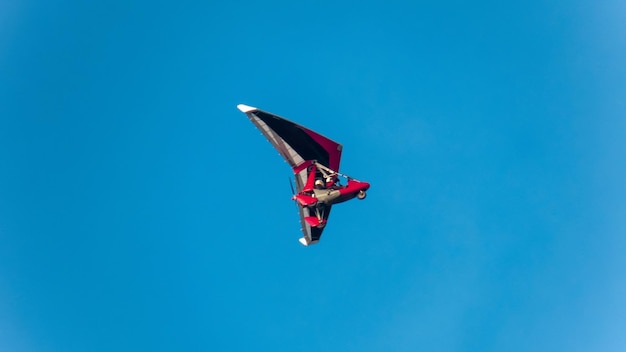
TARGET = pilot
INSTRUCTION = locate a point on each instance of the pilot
(332, 182)
(319, 184)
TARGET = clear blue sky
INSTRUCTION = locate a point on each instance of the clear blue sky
(141, 211)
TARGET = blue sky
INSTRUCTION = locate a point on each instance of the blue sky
(141, 211)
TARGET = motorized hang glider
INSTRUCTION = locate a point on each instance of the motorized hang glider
(315, 162)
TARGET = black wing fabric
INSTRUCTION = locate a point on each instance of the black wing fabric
(294, 142)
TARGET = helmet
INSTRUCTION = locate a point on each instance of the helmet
(319, 183)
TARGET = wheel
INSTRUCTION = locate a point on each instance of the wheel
(361, 195)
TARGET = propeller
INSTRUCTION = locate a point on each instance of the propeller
(293, 192)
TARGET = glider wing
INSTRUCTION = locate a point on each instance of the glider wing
(299, 146)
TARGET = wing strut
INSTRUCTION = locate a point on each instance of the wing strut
(326, 172)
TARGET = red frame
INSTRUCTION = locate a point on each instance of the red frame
(347, 192)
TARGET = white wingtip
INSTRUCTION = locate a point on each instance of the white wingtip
(245, 108)
(303, 241)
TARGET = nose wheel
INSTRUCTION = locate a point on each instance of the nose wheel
(361, 195)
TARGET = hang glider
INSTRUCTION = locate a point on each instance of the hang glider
(315, 161)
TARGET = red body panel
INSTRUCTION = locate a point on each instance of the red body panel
(354, 187)
(351, 190)
(310, 183)
(314, 221)
(305, 200)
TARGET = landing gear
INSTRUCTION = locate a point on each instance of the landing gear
(361, 195)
